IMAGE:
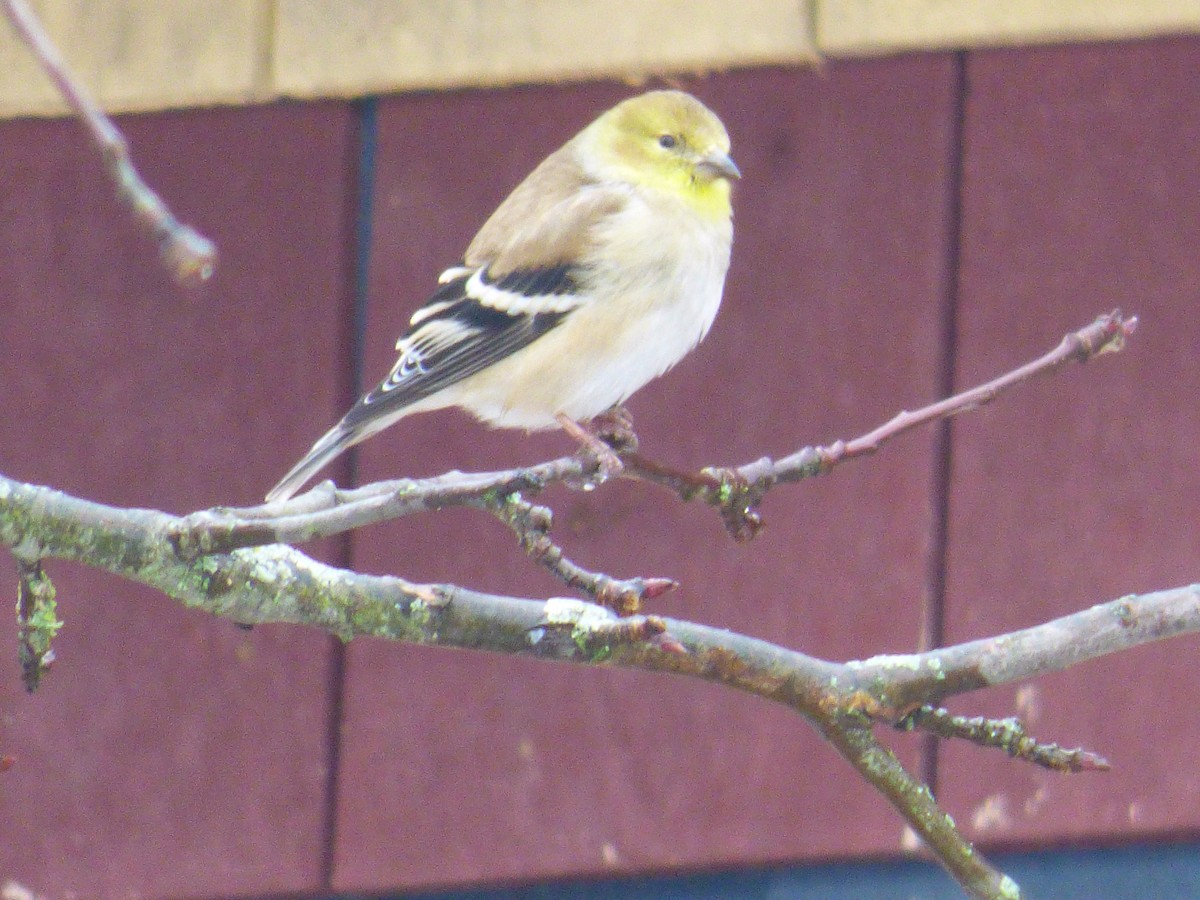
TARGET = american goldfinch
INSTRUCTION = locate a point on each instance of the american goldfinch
(597, 274)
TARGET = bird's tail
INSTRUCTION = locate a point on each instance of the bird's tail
(324, 451)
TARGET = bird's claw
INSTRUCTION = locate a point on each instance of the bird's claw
(608, 464)
(614, 427)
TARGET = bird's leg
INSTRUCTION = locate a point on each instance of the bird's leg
(614, 426)
(608, 463)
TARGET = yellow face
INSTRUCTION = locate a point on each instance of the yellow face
(671, 141)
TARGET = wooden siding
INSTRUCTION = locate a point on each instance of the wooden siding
(170, 754)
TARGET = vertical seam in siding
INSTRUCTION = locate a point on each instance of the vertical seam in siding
(933, 609)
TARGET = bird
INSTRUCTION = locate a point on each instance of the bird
(600, 271)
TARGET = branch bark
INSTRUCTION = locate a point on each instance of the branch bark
(229, 562)
(279, 584)
(187, 254)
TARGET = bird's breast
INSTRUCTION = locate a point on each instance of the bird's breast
(651, 290)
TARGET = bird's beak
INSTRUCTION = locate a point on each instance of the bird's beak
(720, 165)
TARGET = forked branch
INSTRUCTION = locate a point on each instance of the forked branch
(230, 563)
(735, 491)
(843, 700)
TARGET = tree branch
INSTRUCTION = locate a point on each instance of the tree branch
(188, 255)
(918, 678)
(737, 492)
(852, 736)
(279, 584)
(229, 562)
(1007, 734)
(326, 510)
(531, 524)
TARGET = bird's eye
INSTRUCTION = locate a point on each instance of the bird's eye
(666, 141)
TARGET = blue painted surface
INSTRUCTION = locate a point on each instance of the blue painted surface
(1126, 873)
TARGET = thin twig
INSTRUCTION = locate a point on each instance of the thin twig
(532, 523)
(188, 255)
(1007, 734)
(1107, 334)
(736, 492)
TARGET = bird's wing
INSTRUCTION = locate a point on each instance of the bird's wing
(484, 313)
(457, 334)
(473, 320)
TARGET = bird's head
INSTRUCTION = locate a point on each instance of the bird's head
(669, 141)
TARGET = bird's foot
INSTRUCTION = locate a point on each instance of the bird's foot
(608, 464)
(614, 426)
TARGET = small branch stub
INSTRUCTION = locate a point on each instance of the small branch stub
(1008, 735)
(532, 523)
(37, 622)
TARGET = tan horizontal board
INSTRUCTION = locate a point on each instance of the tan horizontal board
(870, 27)
(154, 54)
(141, 54)
(335, 47)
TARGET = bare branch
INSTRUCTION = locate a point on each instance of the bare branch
(279, 584)
(326, 510)
(188, 255)
(919, 678)
(736, 492)
(1107, 334)
(532, 526)
(1008, 735)
(214, 560)
(852, 736)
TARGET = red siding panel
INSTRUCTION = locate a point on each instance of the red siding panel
(460, 767)
(168, 753)
(1082, 194)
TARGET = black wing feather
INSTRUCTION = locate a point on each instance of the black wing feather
(497, 335)
(551, 280)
